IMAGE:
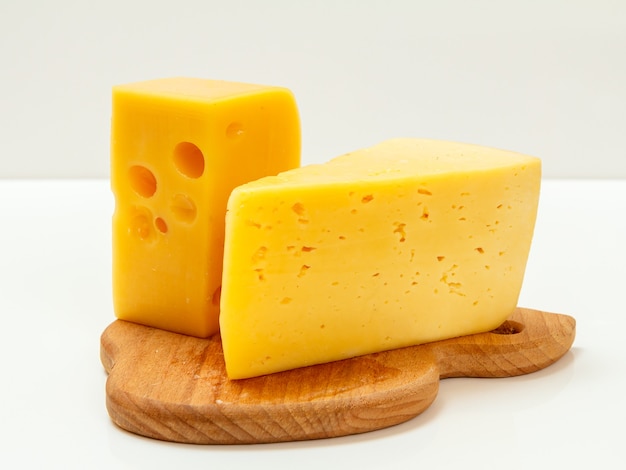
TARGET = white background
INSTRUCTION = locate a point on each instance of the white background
(542, 77)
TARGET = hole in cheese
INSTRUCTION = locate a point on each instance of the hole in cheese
(234, 130)
(189, 160)
(140, 224)
(183, 208)
(142, 180)
(160, 224)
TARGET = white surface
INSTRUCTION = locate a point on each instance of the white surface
(55, 301)
(542, 77)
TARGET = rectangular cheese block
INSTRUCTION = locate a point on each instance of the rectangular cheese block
(178, 148)
(407, 242)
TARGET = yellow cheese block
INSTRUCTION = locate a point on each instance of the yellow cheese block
(178, 148)
(407, 242)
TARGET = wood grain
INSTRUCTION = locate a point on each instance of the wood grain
(173, 387)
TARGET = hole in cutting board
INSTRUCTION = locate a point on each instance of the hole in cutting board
(509, 327)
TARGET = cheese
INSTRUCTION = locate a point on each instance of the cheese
(178, 148)
(407, 242)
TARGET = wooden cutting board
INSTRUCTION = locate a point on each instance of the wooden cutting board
(173, 387)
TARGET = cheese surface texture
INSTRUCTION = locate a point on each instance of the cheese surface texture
(406, 242)
(178, 148)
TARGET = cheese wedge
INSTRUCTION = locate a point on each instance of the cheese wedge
(407, 242)
(178, 148)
